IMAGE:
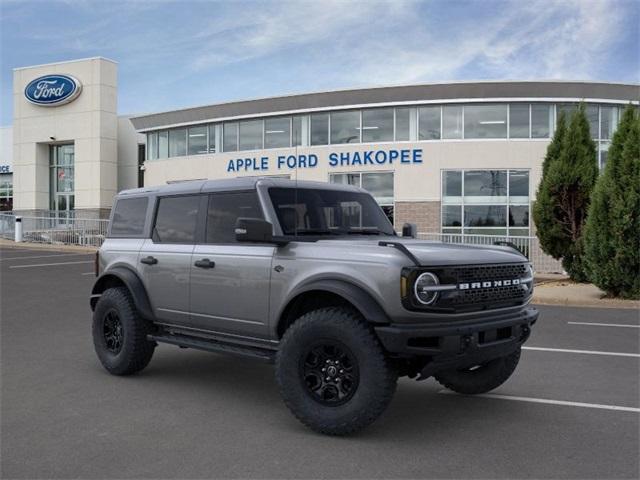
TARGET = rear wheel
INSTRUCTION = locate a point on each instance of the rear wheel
(480, 378)
(332, 372)
(120, 334)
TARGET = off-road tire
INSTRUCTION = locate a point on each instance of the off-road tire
(376, 381)
(481, 380)
(136, 351)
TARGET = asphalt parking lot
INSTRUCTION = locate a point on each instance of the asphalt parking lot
(571, 410)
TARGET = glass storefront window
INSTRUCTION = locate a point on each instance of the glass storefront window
(451, 186)
(592, 117)
(380, 185)
(452, 121)
(403, 124)
(519, 216)
(277, 132)
(452, 216)
(197, 140)
(345, 127)
(152, 146)
(320, 129)
(481, 186)
(476, 202)
(519, 120)
(6, 192)
(230, 137)
(377, 125)
(608, 122)
(429, 123)
(604, 152)
(541, 120)
(485, 216)
(212, 138)
(178, 142)
(251, 135)
(296, 126)
(485, 121)
(345, 178)
(163, 144)
(519, 186)
(61, 179)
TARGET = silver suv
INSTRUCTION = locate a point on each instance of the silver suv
(312, 277)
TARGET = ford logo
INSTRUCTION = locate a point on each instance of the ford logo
(53, 90)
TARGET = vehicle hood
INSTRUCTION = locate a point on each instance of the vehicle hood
(434, 253)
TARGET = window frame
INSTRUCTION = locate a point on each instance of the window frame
(507, 204)
(198, 232)
(143, 233)
(205, 220)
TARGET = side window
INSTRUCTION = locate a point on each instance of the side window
(176, 219)
(224, 210)
(128, 217)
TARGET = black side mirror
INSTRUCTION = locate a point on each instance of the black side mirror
(410, 230)
(256, 230)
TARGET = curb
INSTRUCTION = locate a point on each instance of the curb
(605, 303)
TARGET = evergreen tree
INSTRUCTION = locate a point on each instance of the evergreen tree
(548, 231)
(612, 242)
(564, 194)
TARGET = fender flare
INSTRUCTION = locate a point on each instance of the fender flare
(132, 281)
(354, 294)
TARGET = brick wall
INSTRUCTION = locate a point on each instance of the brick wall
(426, 215)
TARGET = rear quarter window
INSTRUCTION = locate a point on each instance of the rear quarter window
(128, 217)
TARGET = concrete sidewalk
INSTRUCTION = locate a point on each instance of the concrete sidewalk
(46, 246)
(550, 291)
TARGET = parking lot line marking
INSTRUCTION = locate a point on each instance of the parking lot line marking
(50, 264)
(589, 352)
(604, 324)
(45, 256)
(547, 401)
(88, 273)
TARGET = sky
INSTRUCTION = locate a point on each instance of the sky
(176, 54)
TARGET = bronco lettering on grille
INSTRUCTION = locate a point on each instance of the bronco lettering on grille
(488, 284)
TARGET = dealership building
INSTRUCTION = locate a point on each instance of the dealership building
(460, 157)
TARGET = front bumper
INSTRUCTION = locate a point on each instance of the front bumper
(459, 345)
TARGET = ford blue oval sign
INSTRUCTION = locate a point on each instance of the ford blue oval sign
(53, 90)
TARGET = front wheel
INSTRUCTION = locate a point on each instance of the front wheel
(480, 378)
(332, 372)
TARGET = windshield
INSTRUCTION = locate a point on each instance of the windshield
(307, 211)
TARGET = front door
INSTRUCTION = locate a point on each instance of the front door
(230, 280)
(165, 259)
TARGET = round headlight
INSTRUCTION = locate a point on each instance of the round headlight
(423, 293)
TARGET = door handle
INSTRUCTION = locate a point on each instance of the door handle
(149, 260)
(205, 263)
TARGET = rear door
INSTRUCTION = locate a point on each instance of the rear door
(230, 280)
(165, 258)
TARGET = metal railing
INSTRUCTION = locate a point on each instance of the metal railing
(56, 230)
(529, 246)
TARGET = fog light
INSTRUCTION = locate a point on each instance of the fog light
(425, 288)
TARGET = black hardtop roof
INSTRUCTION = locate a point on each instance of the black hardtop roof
(230, 184)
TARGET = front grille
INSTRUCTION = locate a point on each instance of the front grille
(478, 296)
(479, 273)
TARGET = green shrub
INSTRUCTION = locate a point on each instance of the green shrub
(612, 233)
(569, 174)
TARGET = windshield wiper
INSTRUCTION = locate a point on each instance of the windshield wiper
(314, 232)
(364, 231)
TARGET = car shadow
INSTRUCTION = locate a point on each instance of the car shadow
(417, 412)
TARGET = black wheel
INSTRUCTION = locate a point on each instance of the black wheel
(332, 372)
(480, 378)
(120, 334)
